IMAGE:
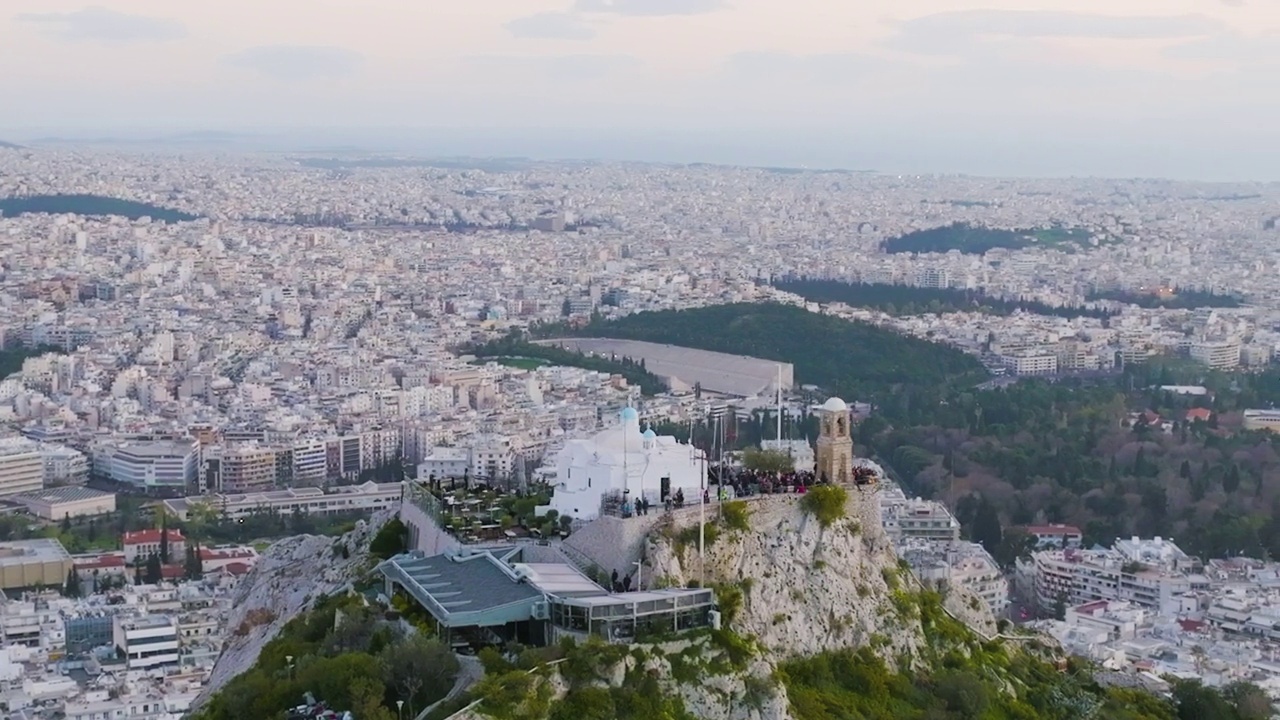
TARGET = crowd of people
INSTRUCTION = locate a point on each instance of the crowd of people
(745, 483)
(741, 483)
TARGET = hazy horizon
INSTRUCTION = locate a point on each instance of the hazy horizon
(1159, 88)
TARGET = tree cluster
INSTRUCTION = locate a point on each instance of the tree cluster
(90, 205)
(362, 663)
(975, 240)
(1179, 299)
(856, 685)
(912, 300)
(1072, 452)
(855, 360)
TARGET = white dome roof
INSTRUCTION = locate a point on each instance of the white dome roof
(834, 404)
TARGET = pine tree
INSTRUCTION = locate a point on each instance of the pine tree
(155, 572)
(72, 587)
(193, 568)
(164, 543)
(1231, 482)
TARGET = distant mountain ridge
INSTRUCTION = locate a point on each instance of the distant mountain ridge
(9, 146)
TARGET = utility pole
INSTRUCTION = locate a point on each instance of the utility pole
(702, 528)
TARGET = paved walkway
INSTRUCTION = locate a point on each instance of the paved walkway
(470, 671)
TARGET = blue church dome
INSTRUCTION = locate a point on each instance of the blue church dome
(649, 434)
(629, 414)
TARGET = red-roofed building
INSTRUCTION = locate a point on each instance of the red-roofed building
(237, 569)
(1192, 626)
(214, 559)
(142, 543)
(1199, 415)
(107, 564)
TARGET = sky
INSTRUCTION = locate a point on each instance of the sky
(1170, 88)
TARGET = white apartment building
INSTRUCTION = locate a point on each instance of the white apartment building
(445, 462)
(493, 456)
(958, 564)
(1149, 573)
(146, 642)
(1217, 354)
(148, 464)
(21, 466)
(917, 518)
(64, 465)
(488, 456)
(1031, 363)
(933, 277)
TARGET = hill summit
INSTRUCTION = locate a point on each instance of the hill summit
(797, 576)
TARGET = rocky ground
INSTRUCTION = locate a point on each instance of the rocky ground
(288, 578)
(806, 589)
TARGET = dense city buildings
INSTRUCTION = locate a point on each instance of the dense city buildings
(302, 344)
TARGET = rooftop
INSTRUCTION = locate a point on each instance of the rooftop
(19, 552)
(464, 590)
(18, 446)
(68, 494)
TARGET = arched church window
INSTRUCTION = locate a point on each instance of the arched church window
(840, 426)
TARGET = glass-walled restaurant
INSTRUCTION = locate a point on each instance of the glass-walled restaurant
(625, 617)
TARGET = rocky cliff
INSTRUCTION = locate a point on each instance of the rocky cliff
(788, 587)
(805, 588)
(286, 582)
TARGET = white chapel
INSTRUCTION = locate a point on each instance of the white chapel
(623, 460)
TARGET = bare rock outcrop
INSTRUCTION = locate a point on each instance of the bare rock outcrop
(287, 580)
(806, 589)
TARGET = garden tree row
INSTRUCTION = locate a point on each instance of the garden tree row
(516, 345)
(911, 300)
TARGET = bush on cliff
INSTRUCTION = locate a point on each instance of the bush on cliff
(826, 503)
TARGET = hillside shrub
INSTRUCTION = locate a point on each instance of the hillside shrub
(826, 503)
(737, 516)
(391, 540)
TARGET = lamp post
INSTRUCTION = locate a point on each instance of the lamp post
(400, 709)
(289, 659)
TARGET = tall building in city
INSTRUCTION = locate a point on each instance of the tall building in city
(21, 466)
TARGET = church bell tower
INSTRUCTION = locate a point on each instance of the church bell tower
(835, 443)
